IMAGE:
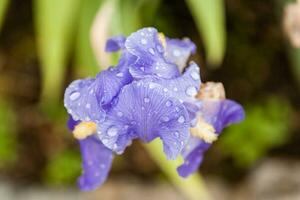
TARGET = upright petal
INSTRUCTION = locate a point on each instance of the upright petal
(179, 51)
(96, 163)
(218, 113)
(115, 43)
(145, 110)
(145, 45)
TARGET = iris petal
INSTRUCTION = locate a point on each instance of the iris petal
(220, 114)
(179, 51)
(84, 97)
(146, 47)
(145, 110)
(96, 163)
(115, 43)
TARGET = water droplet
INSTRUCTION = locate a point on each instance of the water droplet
(143, 41)
(146, 100)
(151, 50)
(143, 108)
(74, 96)
(151, 85)
(168, 103)
(175, 89)
(143, 68)
(176, 53)
(176, 133)
(195, 76)
(126, 127)
(191, 91)
(120, 74)
(165, 119)
(142, 33)
(91, 91)
(165, 89)
(105, 141)
(88, 106)
(159, 48)
(112, 131)
(181, 119)
(120, 114)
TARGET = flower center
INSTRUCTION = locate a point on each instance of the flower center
(84, 129)
(204, 131)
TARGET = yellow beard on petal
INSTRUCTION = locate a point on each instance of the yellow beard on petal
(84, 129)
(162, 39)
(204, 131)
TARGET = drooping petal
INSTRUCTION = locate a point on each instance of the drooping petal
(145, 110)
(115, 43)
(86, 99)
(96, 163)
(179, 51)
(145, 45)
(219, 113)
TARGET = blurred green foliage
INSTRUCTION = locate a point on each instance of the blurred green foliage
(3, 6)
(63, 168)
(266, 126)
(8, 138)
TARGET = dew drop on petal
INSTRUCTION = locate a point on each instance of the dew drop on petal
(146, 100)
(176, 53)
(120, 74)
(151, 50)
(143, 41)
(165, 90)
(195, 76)
(88, 106)
(112, 131)
(176, 133)
(165, 119)
(151, 85)
(74, 96)
(181, 119)
(119, 113)
(159, 48)
(175, 89)
(191, 91)
(168, 103)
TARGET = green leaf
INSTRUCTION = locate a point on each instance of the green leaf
(55, 25)
(3, 7)
(85, 57)
(8, 137)
(266, 126)
(210, 20)
(63, 168)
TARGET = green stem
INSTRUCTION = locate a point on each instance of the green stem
(192, 187)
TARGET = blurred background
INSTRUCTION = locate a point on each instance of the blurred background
(250, 46)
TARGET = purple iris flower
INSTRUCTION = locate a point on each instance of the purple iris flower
(147, 95)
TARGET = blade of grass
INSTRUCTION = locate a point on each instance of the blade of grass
(210, 20)
(55, 23)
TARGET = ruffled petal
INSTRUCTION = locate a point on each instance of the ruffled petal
(179, 51)
(219, 113)
(145, 110)
(185, 87)
(96, 163)
(149, 52)
(87, 99)
(115, 43)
